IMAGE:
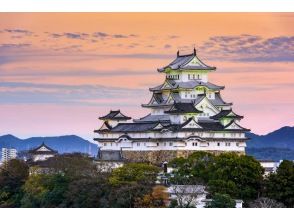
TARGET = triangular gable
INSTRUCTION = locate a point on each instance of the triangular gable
(169, 99)
(166, 85)
(195, 62)
(234, 126)
(192, 124)
(104, 127)
(158, 126)
(119, 115)
(209, 105)
(231, 114)
(43, 148)
(153, 101)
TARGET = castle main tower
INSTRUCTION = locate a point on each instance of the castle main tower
(187, 114)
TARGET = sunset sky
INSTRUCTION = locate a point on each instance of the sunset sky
(60, 71)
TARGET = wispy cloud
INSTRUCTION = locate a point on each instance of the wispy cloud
(104, 35)
(10, 46)
(18, 31)
(250, 48)
(70, 35)
(21, 92)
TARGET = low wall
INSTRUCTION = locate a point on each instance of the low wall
(159, 156)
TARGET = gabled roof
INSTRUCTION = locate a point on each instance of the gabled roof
(199, 103)
(185, 85)
(226, 113)
(180, 108)
(43, 149)
(115, 115)
(105, 127)
(191, 123)
(187, 62)
(134, 127)
(218, 101)
(154, 118)
(234, 126)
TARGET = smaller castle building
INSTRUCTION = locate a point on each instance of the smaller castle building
(42, 152)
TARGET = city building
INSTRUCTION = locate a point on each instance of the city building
(187, 114)
(8, 154)
(270, 166)
(42, 152)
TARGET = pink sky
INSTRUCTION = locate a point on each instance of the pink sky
(60, 72)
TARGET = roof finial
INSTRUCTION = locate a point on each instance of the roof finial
(178, 53)
(194, 51)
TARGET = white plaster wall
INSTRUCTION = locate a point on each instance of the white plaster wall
(41, 157)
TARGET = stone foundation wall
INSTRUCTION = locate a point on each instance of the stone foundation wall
(159, 156)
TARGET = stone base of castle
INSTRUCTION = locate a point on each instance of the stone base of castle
(159, 156)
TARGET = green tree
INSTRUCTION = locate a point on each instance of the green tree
(192, 170)
(130, 183)
(73, 182)
(280, 185)
(125, 195)
(228, 173)
(87, 193)
(239, 176)
(134, 173)
(13, 175)
(45, 190)
(75, 165)
(221, 201)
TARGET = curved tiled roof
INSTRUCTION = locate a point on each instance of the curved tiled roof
(36, 150)
(182, 62)
(187, 85)
(115, 115)
(179, 108)
(224, 113)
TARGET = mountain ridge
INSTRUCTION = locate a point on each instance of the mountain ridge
(63, 143)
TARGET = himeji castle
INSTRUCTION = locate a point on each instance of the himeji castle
(187, 114)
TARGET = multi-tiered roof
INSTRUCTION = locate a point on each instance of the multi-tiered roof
(168, 99)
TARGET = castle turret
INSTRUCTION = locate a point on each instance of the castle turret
(114, 117)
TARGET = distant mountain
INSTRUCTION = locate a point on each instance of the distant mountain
(276, 145)
(281, 138)
(63, 144)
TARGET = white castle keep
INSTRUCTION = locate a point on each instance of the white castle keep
(187, 114)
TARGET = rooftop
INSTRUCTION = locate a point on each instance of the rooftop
(227, 114)
(186, 62)
(185, 85)
(179, 108)
(43, 149)
(115, 115)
